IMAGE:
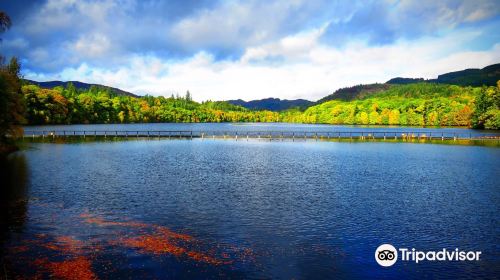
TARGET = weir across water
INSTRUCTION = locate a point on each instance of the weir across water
(269, 135)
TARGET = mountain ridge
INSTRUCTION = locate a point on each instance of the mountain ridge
(487, 76)
(80, 86)
(272, 104)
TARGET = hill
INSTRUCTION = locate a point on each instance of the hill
(79, 86)
(416, 104)
(272, 104)
(404, 81)
(355, 92)
(487, 76)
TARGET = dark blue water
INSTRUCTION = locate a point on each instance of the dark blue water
(304, 210)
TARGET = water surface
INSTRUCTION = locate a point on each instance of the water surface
(238, 209)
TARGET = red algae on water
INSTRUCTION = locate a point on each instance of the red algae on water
(76, 266)
(64, 245)
(93, 219)
(79, 268)
(78, 255)
(157, 244)
(200, 257)
(170, 234)
(150, 243)
(70, 257)
(160, 241)
(164, 241)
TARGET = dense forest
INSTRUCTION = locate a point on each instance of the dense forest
(419, 104)
(96, 105)
(488, 76)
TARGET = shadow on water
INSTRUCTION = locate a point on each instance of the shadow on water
(13, 198)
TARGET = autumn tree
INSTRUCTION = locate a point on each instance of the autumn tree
(487, 114)
(11, 98)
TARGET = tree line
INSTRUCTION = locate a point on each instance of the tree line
(96, 105)
(420, 104)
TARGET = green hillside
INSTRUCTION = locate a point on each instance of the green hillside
(472, 77)
(354, 92)
(98, 105)
(487, 76)
(421, 104)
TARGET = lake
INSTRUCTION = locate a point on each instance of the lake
(247, 209)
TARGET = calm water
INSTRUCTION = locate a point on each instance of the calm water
(238, 209)
(243, 127)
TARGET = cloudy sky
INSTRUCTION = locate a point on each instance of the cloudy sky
(223, 50)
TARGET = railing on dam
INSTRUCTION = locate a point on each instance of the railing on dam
(271, 135)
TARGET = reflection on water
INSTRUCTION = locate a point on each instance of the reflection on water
(242, 127)
(90, 139)
(238, 209)
(13, 200)
(13, 194)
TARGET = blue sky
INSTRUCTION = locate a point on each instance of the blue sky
(223, 50)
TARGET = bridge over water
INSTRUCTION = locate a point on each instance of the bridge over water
(269, 135)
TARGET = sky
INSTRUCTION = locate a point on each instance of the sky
(221, 50)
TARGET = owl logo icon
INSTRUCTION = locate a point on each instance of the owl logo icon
(386, 255)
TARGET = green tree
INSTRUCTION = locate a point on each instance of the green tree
(487, 113)
(12, 105)
(5, 22)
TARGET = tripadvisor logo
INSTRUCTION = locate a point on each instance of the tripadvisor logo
(387, 255)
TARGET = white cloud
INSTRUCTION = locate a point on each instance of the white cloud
(446, 12)
(300, 65)
(309, 69)
(70, 14)
(236, 24)
(106, 33)
(292, 47)
(91, 46)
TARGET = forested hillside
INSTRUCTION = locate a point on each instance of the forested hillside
(354, 92)
(79, 86)
(97, 105)
(273, 104)
(420, 104)
(487, 76)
